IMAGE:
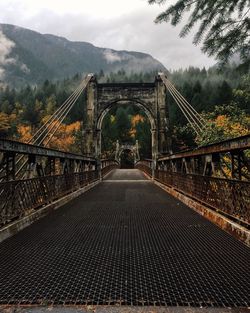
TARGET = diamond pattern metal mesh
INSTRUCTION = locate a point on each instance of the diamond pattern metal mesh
(125, 243)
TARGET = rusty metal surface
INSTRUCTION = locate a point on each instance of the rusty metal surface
(111, 165)
(125, 243)
(145, 166)
(123, 175)
(117, 309)
(24, 148)
(239, 143)
(20, 197)
(235, 229)
(230, 197)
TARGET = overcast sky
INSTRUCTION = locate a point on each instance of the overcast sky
(118, 24)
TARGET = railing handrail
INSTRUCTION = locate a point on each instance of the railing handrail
(210, 177)
(45, 176)
(242, 142)
(7, 145)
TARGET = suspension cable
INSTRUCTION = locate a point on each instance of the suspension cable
(58, 117)
(180, 104)
(187, 103)
(193, 125)
(62, 118)
(196, 121)
(58, 113)
(188, 106)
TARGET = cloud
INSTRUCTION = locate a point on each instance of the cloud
(6, 46)
(133, 64)
(24, 68)
(111, 57)
(134, 31)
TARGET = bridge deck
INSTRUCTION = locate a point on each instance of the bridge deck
(125, 242)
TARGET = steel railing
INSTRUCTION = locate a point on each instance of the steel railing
(20, 197)
(228, 196)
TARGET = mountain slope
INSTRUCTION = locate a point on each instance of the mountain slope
(34, 57)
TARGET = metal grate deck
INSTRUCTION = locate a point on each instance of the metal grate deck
(126, 243)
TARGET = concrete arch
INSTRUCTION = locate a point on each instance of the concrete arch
(133, 148)
(150, 97)
(135, 102)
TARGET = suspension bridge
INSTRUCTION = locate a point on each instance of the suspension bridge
(78, 232)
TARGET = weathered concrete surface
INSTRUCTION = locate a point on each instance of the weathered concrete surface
(129, 243)
(150, 97)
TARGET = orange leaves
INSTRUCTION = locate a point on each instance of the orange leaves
(24, 133)
(4, 122)
(137, 119)
(64, 137)
(225, 122)
(231, 127)
(134, 121)
(221, 120)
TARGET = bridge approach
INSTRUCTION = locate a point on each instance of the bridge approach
(125, 242)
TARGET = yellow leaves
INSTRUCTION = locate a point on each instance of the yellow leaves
(24, 133)
(64, 137)
(221, 120)
(231, 127)
(132, 132)
(45, 119)
(4, 121)
(227, 121)
(72, 127)
(134, 121)
(137, 119)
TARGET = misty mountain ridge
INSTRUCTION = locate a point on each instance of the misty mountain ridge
(27, 56)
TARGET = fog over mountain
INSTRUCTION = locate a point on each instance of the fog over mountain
(27, 56)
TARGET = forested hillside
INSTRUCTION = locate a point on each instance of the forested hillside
(31, 57)
(222, 96)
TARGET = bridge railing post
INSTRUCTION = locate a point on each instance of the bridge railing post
(153, 167)
(99, 168)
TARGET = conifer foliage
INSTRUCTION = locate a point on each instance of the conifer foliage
(224, 25)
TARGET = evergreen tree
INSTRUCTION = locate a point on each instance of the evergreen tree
(30, 114)
(5, 107)
(224, 93)
(144, 137)
(241, 95)
(223, 25)
(123, 125)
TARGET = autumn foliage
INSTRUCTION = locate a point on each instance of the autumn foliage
(225, 122)
(230, 127)
(6, 123)
(24, 133)
(135, 120)
(64, 138)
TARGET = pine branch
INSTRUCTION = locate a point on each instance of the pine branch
(224, 24)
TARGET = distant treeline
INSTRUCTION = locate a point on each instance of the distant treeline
(204, 89)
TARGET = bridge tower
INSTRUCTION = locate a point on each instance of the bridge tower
(151, 97)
